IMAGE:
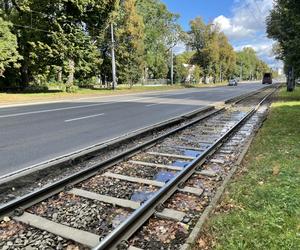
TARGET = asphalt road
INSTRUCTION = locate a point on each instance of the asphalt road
(36, 133)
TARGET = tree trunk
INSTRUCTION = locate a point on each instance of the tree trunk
(145, 76)
(25, 79)
(71, 66)
(59, 74)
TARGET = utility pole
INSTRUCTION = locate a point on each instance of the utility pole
(172, 67)
(113, 59)
(241, 73)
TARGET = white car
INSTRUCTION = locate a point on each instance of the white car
(232, 82)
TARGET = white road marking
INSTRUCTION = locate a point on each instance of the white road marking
(103, 103)
(165, 102)
(84, 117)
(50, 110)
(150, 105)
(68, 108)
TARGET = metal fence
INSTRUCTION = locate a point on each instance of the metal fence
(156, 82)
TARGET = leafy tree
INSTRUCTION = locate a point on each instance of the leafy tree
(60, 36)
(213, 53)
(182, 64)
(283, 25)
(249, 66)
(130, 41)
(161, 32)
(227, 58)
(9, 55)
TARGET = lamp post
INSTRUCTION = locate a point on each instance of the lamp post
(113, 59)
(172, 67)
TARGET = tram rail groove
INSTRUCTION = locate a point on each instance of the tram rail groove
(122, 233)
(149, 207)
(240, 98)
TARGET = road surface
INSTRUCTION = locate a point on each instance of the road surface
(36, 133)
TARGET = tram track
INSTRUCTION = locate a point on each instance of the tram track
(122, 194)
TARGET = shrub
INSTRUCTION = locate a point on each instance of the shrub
(36, 88)
(72, 88)
(57, 86)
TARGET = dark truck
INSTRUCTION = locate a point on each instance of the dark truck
(267, 79)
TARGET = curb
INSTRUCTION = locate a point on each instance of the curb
(79, 98)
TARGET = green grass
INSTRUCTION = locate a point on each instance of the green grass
(11, 98)
(15, 98)
(264, 197)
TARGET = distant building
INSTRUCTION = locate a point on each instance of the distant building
(191, 70)
(280, 71)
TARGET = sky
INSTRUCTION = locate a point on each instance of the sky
(243, 21)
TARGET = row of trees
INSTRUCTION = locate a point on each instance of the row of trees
(55, 39)
(70, 42)
(283, 26)
(214, 59)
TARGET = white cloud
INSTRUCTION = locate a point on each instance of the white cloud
(246, 27)
(262, 48)
(232, 30)
(247, 19)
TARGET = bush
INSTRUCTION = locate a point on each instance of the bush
(57, 86)
(89, 83)
(72, 88)
(36, 88)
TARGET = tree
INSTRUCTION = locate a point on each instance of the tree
(283, 26)
(227, 58)
(182, 64)
(61, 36)
(130, 43)
(9, 55)
(249, 66)
(213, 53)
(161, 32)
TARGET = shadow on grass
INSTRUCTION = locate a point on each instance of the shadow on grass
(260, 209)
(30, 92)
(288, 96)
(293, 98)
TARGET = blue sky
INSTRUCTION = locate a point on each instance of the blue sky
(243, 21)
(189, 9)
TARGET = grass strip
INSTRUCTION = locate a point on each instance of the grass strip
(17, 98)
(261, 207)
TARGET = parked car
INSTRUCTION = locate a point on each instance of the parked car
(267, 79)
(233, 82)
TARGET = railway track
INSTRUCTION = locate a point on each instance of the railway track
(149, 197)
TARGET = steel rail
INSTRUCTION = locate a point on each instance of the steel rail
(56, 187)
(124, 231)
(241, 98)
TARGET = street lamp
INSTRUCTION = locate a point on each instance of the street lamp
(113, 59)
